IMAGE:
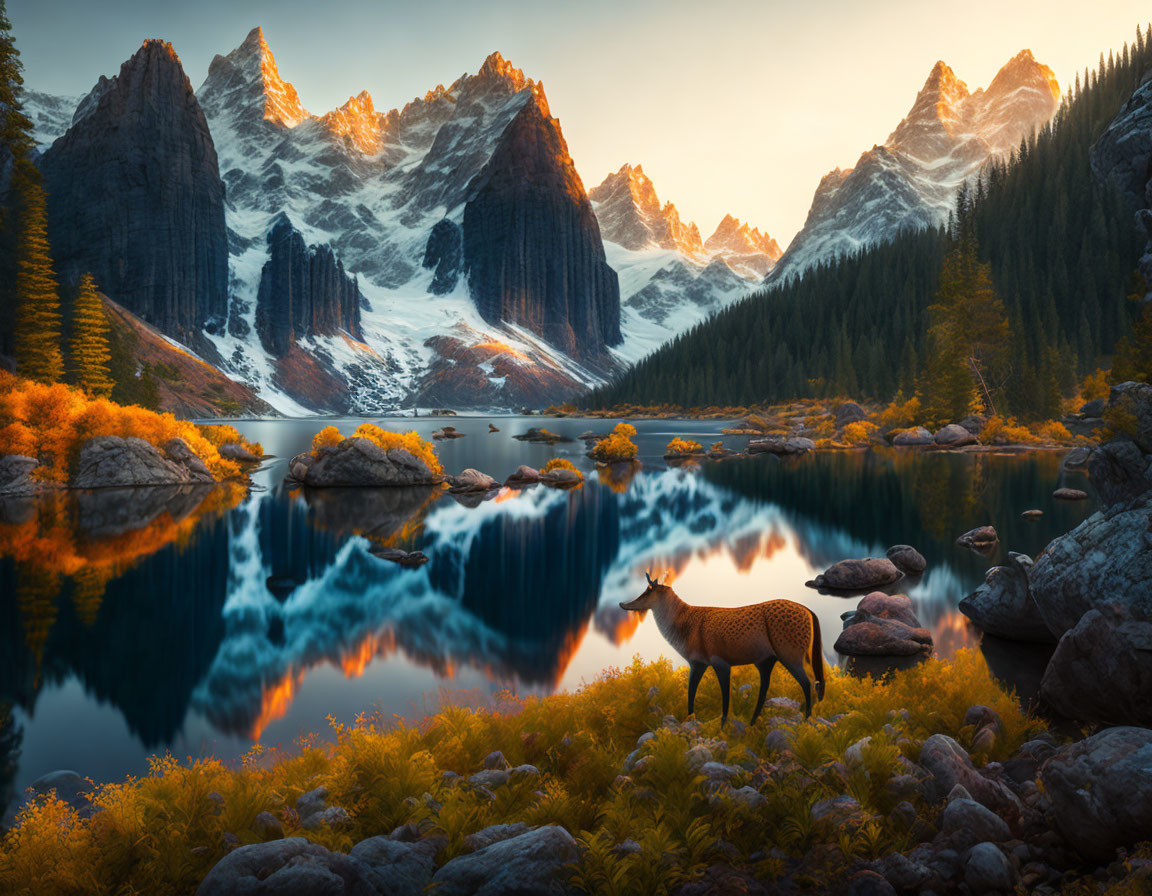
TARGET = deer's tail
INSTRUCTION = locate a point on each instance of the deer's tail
(817, 657)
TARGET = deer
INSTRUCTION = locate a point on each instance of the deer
(722, 637)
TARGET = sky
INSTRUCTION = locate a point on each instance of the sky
(731, 106)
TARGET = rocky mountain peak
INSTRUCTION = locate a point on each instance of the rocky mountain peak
(496, 67)
(733, 236)
(248, 77)
(359, 122)
(630, 214)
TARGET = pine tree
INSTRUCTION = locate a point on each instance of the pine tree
(38, 354)
(90, 352)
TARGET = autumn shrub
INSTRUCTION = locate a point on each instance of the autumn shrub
(618, 446)
(1053, 431)
(559, 463)
(163, 831)
(224, 434)
(900, 415)
(679, 447)
(51, 422)
(412, 442)
(999, 430)
(1095, 386)
(862, 432)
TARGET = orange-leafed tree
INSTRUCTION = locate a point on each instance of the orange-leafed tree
(38, 354)
(89, 349)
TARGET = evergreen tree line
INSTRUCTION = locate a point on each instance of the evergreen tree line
(1037, 232)
(32, 321)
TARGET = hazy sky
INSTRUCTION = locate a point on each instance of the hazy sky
(731, 105)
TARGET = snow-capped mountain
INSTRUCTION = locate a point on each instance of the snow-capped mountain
(50, 115)
(669, 278)
(910, 181)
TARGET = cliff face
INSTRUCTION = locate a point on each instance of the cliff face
(532, 248)
(135, 198)
(303, 292)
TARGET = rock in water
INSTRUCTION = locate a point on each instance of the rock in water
(532, 247)
(110, 461)
(916, 437)
(955, 436)
(361, 462)
(1101, 791)
(781, 445)
(857, 575)
(303, 292)
(531, 863)
(981, 540)
(135, 198)
(16, 476)
(883, 625)
(1003, 605)
(1102, 668)
(907, 559)
(471, 480)
(1070, 494)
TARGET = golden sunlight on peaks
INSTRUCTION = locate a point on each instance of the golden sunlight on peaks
(501, 348)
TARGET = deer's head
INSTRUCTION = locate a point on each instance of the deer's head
(650, 598)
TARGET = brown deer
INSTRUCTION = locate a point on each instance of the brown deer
(723, 637)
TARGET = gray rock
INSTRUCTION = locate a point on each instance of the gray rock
(1101, 791)
(524, 475)
(974, 423)
(697, 756)
(907, 559)
(16, 479)
(948, 764)
(750, 798)
(913, 438)
(1108, 557)
(858, 575)
(471, 480)
(399, 868)
(267, 826)
(530, 864)
(781, 445)
(1004, 606)
(1120, 471)
(490, 778)
(968, 819)
(333, 816)
(404, 558)
(883, 625)
(68, 787)
(312, 802)
(981, 540)
(897, 607)
(291, 867)
(235, 451)
(494, 834)
(849, 412)
(1101, 670)
(495, 760)
(955, 436)
(838, 811)
(561, 477)
(1070, 494)
(110, 461)
(718, 771)
(1093, 408)
(987, 870)
(869, 883)
(359, 462)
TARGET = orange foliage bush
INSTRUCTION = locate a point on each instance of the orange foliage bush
(1095, 386)
(618, 446)
(51, 422)
(679, 446)
(224, 434)
(901, 415)
(862, 432)
(1054, 431)
(412, 442)
(559, 463)
(1006, 431)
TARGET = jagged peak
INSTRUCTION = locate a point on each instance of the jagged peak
(153, 45)
(496, 66)
(359, 121)
(253, 65)
(1023, 70)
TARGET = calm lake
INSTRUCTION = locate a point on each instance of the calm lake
(134, 623)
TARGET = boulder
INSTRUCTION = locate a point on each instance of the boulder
(948, 764)
(913, 437)
(849, 412)
(988, 870)
(1070, 494)
(1120, 471)
(967, 819)
(1101, 670)
(530, 864)
(407, 559)
(781, 445)
(1100, 791)
(524, 475)
(897, 607)
(981, 540)
(955, 436)
(360, 462)
(296, 867)
(16, 480)
(857, 575)
(877, 636)
(974, 423)
(110, 461)
(68, 786)
(471, 480)
(1032, 515)
(907, 559)
(236, 451)
(1003, 605)
(561, 477)
(1107, 557)
(494, 834)
(1093, 408)
(535, 434)
(448, 432)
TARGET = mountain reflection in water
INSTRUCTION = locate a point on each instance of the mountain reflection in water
(203, 620)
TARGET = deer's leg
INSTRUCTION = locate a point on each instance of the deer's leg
(724, 676)
(695, 673)
(765, 667)
(797, 669)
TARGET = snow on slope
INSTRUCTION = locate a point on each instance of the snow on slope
(50, 115)
(910, 181)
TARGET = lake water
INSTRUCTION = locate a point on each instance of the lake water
(133, 623)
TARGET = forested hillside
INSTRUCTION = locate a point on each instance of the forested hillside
(1061, 248)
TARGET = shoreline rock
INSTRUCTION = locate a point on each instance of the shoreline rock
(857, 575)
(361, 463)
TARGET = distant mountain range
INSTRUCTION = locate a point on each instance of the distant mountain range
(445, 254)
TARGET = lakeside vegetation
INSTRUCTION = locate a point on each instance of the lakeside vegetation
(162, 832)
